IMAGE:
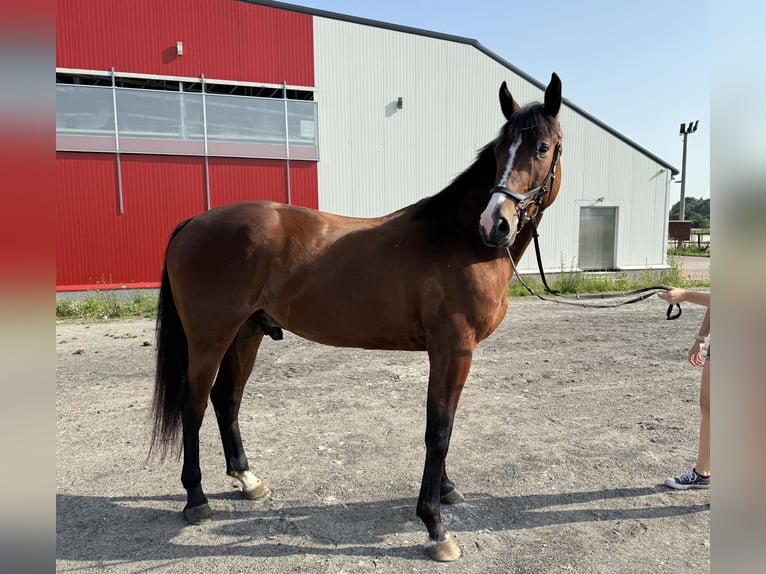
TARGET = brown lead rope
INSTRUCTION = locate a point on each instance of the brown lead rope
(642, 294)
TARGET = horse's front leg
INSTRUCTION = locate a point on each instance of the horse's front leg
(449, 369)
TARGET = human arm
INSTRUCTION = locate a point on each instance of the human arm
(678, 295)
(695, 356)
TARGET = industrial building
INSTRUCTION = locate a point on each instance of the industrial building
(166, 109)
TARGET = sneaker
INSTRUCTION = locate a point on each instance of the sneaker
(689, 480)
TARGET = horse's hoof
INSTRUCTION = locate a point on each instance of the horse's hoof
(198, 514)
(454, 496)
(445, 551)
(260, 490)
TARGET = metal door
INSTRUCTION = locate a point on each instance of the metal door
(598, 227)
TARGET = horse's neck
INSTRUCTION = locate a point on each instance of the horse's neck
(476, 181)
(460, 204)
(473, 191)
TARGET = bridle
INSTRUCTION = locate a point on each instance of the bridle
(535, 195)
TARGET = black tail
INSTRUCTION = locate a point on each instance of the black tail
(172, 357)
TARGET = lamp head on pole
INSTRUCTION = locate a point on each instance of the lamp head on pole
(689, 128)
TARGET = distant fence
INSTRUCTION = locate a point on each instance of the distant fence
(681, 234)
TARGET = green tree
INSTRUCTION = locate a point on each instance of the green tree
(696, 210)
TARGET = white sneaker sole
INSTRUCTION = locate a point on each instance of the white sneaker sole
(673, 484)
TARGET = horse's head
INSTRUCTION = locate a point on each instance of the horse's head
(528, 171)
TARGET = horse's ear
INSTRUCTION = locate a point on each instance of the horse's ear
(553, 96)
(507, 104)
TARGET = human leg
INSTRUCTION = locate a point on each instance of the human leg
(703, 453)
(699, 476)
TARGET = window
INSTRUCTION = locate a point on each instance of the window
(155, 115)
(86, 116)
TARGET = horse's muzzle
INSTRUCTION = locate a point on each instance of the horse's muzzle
(502, 233)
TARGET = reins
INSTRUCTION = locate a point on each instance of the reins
(636, 295)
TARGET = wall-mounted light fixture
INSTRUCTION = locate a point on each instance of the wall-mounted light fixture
(399, 102)
(180, 48)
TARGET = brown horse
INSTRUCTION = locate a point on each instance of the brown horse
(430, 277)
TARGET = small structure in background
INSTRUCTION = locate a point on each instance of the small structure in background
(679, 231)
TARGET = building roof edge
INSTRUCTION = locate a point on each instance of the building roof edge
(462, 40)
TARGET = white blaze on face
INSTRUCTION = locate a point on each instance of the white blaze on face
(487, 216)
(487, 220)
(511, 158)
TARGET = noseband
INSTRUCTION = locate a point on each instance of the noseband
(535, 196)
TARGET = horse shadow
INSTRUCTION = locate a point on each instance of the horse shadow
(131, 529)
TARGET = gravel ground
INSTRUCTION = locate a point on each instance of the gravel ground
(569, 423)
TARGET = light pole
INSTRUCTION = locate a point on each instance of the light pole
(685, 130)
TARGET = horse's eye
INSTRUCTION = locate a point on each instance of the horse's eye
(543, 149)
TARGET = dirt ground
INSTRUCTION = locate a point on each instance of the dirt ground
(569, 423)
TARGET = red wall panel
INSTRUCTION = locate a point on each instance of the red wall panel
(85, 35)
(304, 184)
(86, 214)
(159, 192)
(235, 179)
(97, 246)
(223, 39)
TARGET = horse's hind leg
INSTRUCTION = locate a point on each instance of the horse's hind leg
(448, 493)
(202, 368)
(226, 397)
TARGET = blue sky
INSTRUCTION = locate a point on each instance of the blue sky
(643, 68)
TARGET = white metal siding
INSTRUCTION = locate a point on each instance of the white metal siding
(376, 158)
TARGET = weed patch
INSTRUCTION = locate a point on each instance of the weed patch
(582, 283)
(104, 305)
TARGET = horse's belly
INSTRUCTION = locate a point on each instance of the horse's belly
(362, 331)
(352, 319)
(365, 341)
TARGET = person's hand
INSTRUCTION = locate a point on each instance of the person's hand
(695, 354)
(674, 296)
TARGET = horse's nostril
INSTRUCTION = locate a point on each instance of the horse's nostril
(503, 227)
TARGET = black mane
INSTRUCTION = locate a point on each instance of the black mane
(441, 207)
(480, 175)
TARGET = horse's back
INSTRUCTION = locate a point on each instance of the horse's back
(246, 229)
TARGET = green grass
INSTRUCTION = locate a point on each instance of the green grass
(570, 282)
(104, 305)
(690, 251)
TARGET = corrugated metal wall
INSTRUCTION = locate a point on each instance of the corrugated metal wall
(223, 39)
(232, 181)
(235, 179)
(377, 158)
(96, 246)
(303, 184)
